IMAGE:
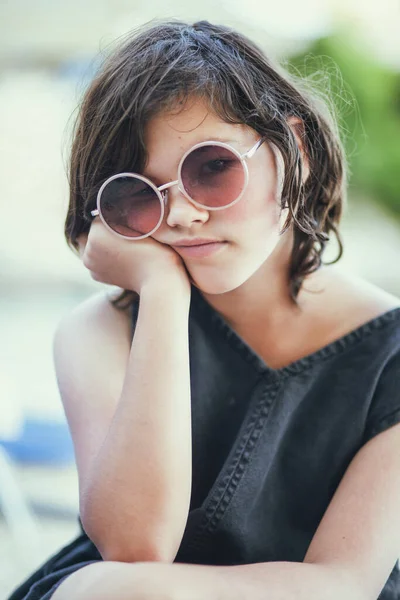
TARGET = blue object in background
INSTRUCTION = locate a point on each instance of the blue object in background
(41, 442)
(82, 70)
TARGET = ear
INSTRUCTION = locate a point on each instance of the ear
(297, 127)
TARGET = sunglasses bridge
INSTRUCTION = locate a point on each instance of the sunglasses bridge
(163, 189)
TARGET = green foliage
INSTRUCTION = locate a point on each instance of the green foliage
(366, 99)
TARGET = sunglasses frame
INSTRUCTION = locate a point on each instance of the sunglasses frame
(162, 190)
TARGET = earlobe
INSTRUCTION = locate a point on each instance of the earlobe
(280, 170)
(297, 127)
(283, 215)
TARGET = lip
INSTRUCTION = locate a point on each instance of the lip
(194, 242)
(200, 250)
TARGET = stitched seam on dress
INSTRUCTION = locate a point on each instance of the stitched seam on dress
(223, 496)
(200, 535)
(305, 363)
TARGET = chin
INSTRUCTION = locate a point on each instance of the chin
(220, 283)
(227, 278)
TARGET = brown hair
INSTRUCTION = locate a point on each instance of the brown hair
(160, 64)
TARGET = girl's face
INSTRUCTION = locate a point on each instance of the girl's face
(249, 229)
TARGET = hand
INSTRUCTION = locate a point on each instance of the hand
(128, 264)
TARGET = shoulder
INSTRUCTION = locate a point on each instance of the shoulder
(91, 349)
(99, 317)
(342, 302)
(334, 304)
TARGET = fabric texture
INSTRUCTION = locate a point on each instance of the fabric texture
(270, 446)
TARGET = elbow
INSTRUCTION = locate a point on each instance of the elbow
(142, 553)
(142, 547)
(114, 544)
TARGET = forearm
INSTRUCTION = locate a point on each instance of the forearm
(137, 499)
(156, 581)
(260, 581)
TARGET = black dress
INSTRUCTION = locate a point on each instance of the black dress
(270, 446)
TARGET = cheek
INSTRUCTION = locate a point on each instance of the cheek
(258, 204)
(257, 208)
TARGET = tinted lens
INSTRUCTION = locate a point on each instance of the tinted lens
(213, 176)
(130, 206)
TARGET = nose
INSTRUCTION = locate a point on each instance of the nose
(181, 211)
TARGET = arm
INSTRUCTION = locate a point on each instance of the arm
(162, 581)
(350, 556)
(133, 447)
(261, 581)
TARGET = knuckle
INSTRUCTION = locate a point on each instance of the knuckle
(82, 241)
(95, 276)
(86, 261)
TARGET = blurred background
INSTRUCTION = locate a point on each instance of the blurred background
(48, 53)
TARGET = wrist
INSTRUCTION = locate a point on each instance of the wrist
(175, 287)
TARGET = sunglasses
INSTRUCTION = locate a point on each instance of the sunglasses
(211, 175)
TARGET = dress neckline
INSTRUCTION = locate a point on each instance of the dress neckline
(336, 346)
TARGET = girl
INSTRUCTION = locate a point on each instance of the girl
(235, 411)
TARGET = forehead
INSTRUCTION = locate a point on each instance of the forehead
(192, 123)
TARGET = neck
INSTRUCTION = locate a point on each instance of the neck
(264, 299)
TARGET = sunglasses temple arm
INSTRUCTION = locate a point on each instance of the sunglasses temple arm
(254, 149)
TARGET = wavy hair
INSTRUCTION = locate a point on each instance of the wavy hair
(157, 66)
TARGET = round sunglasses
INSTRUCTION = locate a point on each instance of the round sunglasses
(211, 175)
